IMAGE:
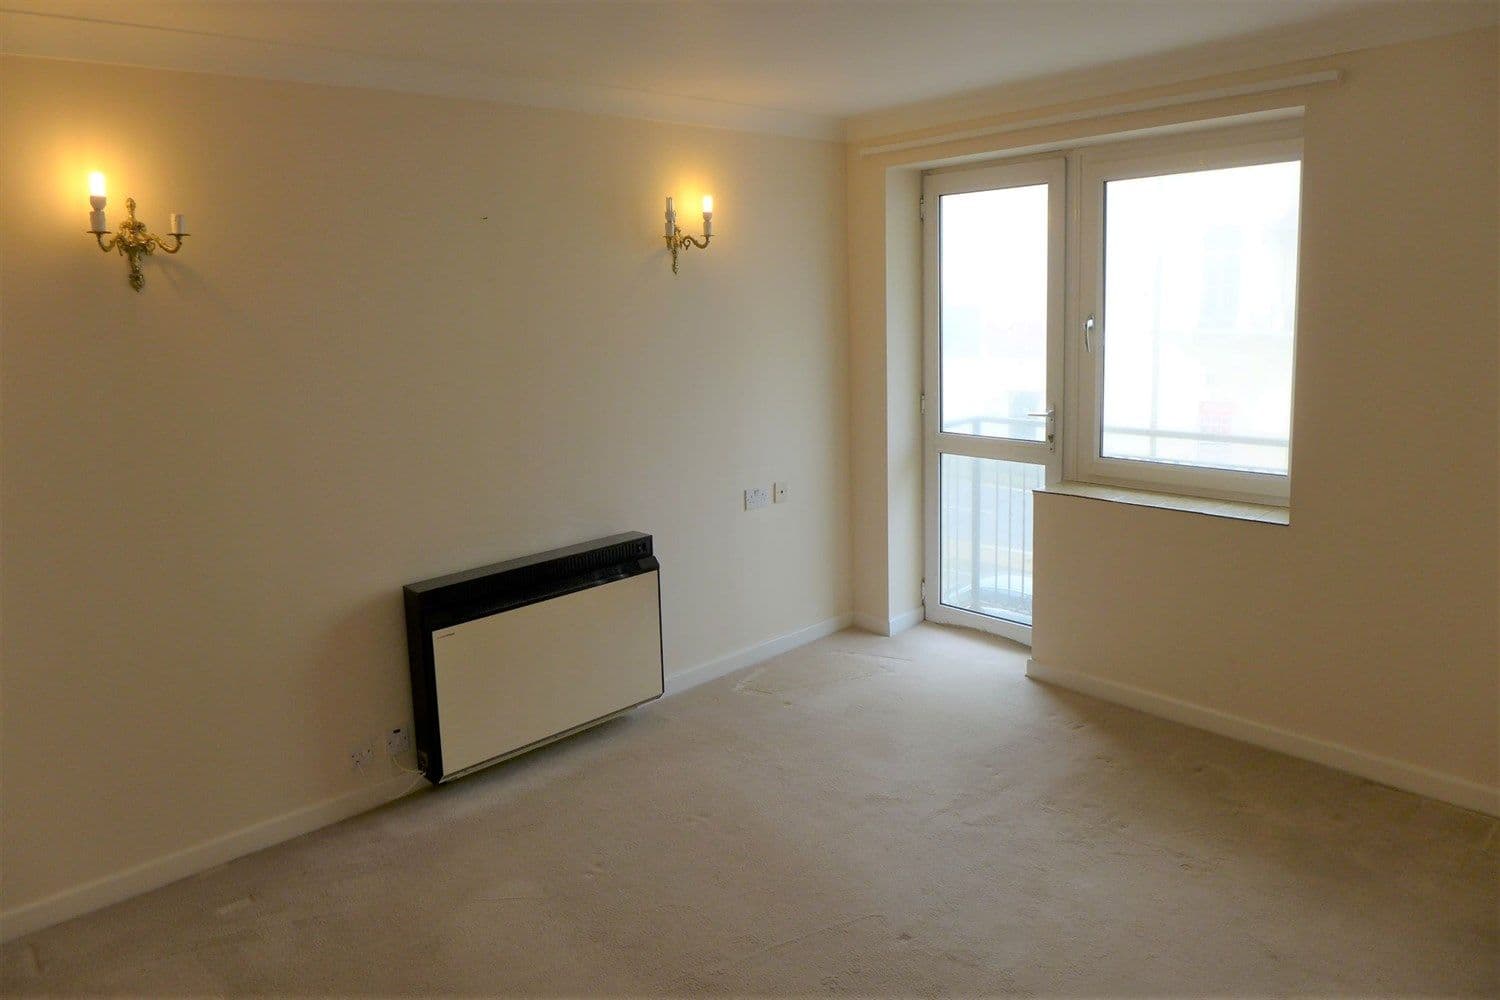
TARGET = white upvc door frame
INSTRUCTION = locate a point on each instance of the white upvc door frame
(1052, 171)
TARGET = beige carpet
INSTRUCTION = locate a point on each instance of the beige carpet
(904, 816)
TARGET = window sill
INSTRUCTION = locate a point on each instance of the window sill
(1232, 509)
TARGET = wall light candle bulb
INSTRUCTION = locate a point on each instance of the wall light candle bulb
(96, 191)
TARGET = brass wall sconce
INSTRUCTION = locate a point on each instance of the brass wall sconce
(132, 241)
(678, 240)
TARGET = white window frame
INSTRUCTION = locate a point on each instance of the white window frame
(1091, 169)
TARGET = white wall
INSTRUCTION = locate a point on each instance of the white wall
(410, 335)
(1369, 626)
(885, 317)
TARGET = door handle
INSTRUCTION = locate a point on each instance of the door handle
(1051, 414)
(1088, 328)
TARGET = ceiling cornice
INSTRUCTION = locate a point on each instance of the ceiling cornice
(48, 36)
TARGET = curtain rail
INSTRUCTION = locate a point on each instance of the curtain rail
(1150, 104)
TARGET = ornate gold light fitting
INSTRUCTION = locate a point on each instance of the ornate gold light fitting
(677, 240)
(132, 241)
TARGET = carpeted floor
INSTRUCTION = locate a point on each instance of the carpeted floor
(905, 816)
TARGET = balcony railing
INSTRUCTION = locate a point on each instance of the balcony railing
(986, 535)
(986, 513)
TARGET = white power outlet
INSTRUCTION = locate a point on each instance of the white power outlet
(361, 757)
(756, 497)
(778, 492)
(397, 741)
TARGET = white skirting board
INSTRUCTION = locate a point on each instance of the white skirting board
(684, 680)
(148, 875)
(1385, 770)
(892, 626)
(153, 874)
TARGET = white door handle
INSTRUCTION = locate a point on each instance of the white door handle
(1051, 414)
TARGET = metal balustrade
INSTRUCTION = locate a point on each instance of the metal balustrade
(986, 515)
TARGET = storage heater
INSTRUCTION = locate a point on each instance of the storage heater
(509, 657)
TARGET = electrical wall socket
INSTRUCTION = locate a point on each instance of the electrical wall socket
(397, 741)
(757, 496)
(778, 492)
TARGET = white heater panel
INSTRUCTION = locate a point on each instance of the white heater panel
(521, 676)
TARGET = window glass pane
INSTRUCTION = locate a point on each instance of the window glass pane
(986, 535)
(994, 312)
(1200, 298)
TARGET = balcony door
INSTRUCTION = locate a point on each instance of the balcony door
(994, 273)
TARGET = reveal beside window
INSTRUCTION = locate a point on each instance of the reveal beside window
(1188, 269)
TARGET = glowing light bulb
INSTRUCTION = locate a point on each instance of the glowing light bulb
(97, 221)
(708, 204)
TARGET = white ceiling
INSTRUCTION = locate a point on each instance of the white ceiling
(819, 59)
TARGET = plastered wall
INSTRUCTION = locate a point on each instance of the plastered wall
(409, 335)
(1368, 624)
